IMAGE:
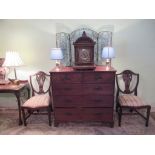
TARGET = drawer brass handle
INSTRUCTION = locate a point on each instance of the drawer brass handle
(98, 113)
(66, 78)
(69, 101)
(98, 88)
(67, 88)
(98, 78)
(68, 113)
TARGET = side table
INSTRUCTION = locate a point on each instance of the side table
(16, 90)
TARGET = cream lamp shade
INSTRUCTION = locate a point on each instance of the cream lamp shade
(12, 59)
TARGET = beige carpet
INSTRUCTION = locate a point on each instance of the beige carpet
(38, 125)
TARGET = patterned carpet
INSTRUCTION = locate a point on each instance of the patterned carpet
(38, 125)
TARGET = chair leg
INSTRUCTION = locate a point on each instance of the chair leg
(117, 107)
(24, 119)
(148, 115)
(49, 115)
(119, 116)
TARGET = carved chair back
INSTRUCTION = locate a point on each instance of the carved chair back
(130, 81)
(40, 83)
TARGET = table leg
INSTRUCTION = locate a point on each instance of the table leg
(28, 90)
(17, 94)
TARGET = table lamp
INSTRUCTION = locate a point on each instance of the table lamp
(108, 53)
(13, 60)
(56, 54)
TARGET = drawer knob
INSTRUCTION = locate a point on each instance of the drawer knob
(97, 100)
(68, 113)
(66, 78)
(67, 88)
(98, 78)
(98, 88)
(98, 113)
(69, 101)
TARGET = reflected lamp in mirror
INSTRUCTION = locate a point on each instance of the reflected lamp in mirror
(108, 53)
(56, 54)
(13, 60)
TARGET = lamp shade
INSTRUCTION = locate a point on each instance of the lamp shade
(12, 59)
(108, 53)
(56, 54)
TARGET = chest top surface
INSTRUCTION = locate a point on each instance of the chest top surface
(71, 69)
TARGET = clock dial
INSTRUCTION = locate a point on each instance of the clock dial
(84, 56)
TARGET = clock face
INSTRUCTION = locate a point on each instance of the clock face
(84, 55)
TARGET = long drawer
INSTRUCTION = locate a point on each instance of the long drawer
(83, 101)
(83, 89)
(83, 114)
(87, 77)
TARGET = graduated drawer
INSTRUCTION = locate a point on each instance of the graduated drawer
(83, 89)
(97, 114)
(103, 77)
(83, 101)
(67, 114)
(84, 114)
(66, 78)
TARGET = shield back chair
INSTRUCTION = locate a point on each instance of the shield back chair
(2, 70)
(41, 97)
(126, 96)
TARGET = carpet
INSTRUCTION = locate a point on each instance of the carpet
(38, 125)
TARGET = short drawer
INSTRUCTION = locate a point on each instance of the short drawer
(66, 77)
(66, 114)
(97, 114)
(98, 101)
(98, 89)
(67, 89)
(103, 77)
(83, 101)
(67, 101)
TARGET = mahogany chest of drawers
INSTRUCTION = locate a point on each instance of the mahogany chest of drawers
(83, 95)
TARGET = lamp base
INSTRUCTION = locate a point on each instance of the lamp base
(15, 73)
(58, 65)
(108, 62)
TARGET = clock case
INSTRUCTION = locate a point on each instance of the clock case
(84, 52)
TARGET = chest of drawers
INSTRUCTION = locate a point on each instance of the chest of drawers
(83, 95)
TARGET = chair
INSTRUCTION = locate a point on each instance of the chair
(126, 98)
(2, 70)
(40, 100)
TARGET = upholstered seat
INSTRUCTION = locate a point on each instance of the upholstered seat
(37, 101)
(130, 101)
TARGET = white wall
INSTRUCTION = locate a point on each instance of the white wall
(133, 40)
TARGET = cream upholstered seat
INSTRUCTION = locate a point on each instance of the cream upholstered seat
(37, 101)
(130, 100)
(40, 99)
(127, 98)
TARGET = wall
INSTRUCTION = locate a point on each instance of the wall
(133, 40)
